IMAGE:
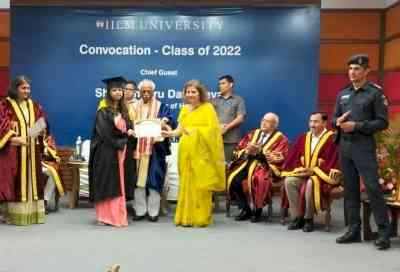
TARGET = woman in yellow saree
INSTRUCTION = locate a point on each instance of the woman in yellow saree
(200, 157)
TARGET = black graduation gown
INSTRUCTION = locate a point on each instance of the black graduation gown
(106, 140)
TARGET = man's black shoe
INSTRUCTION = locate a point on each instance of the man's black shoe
(296, 224)
(138, 217)
(153, 218)
(46, 207)
(257, 216)
(382, 243)
(349, 237)
(309, 225)
(243, 215)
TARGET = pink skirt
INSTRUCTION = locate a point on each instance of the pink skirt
(113, 211)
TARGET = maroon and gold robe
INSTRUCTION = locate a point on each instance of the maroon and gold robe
(323, 161)
(51, 161)
(14, 159)
(261, 174)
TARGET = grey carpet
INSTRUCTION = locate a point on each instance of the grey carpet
(70, 241)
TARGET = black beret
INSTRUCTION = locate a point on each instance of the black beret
(360, 59)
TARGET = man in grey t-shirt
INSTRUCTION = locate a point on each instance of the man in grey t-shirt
(231, 112)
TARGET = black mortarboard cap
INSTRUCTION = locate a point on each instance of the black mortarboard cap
(114, 82)
(360, 59)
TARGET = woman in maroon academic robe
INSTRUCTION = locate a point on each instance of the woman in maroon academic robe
(21, 178)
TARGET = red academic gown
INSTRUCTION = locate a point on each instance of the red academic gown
(323, 161)
(261, 174)
(13, 159)
(51, 161)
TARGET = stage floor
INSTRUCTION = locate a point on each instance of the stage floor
(70, 241)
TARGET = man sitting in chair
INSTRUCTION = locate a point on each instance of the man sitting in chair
(257, 162)
(310, 170)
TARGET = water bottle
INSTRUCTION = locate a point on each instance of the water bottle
(78, 148)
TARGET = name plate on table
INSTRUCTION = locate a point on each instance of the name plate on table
(148, 128)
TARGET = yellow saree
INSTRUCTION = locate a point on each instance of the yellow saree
(201, 165)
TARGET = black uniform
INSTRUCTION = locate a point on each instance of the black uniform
(368, 106)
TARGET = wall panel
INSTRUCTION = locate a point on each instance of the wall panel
(392, 86)
(4, 54)
(333, 57)
(4, 81)
(392, 54)
(4, 24)
(393, 21)
(346, 25)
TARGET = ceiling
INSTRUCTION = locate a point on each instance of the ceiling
(325, 4)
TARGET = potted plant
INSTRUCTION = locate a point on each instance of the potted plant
(388, 154)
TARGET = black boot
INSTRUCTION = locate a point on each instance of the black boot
(56, 204)
(349, 237)
(382, 243)
(245, 214)
(309, 225)
(257, 216)
(153, 218)
(296, 224)
(138, 217)
(46, 207)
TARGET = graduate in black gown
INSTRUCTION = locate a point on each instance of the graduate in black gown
(111, 157)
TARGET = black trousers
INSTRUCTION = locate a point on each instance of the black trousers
(359, 161)
(236, 188)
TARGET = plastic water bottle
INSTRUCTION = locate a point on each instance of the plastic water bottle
(78, 147)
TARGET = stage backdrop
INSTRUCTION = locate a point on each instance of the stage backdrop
(272, 53)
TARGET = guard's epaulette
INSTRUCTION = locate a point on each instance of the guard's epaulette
(375, 85)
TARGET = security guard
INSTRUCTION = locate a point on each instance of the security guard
(360, 112)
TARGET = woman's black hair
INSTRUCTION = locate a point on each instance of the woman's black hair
(15, 83)
(121, 108)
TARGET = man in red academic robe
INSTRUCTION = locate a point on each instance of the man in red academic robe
(21, 177)
(257, 163)
(311, 171)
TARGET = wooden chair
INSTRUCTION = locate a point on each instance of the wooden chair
(164, 205)
(277, 190)
(336, 193)
(66, 173)
(218, 195)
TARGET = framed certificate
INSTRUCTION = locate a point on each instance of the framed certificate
(148, 128)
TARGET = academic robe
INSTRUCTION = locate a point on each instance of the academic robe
(261, 174)
(323, 161)
(106, 140)
(15, 172)
(158, 164)
(51, 161)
